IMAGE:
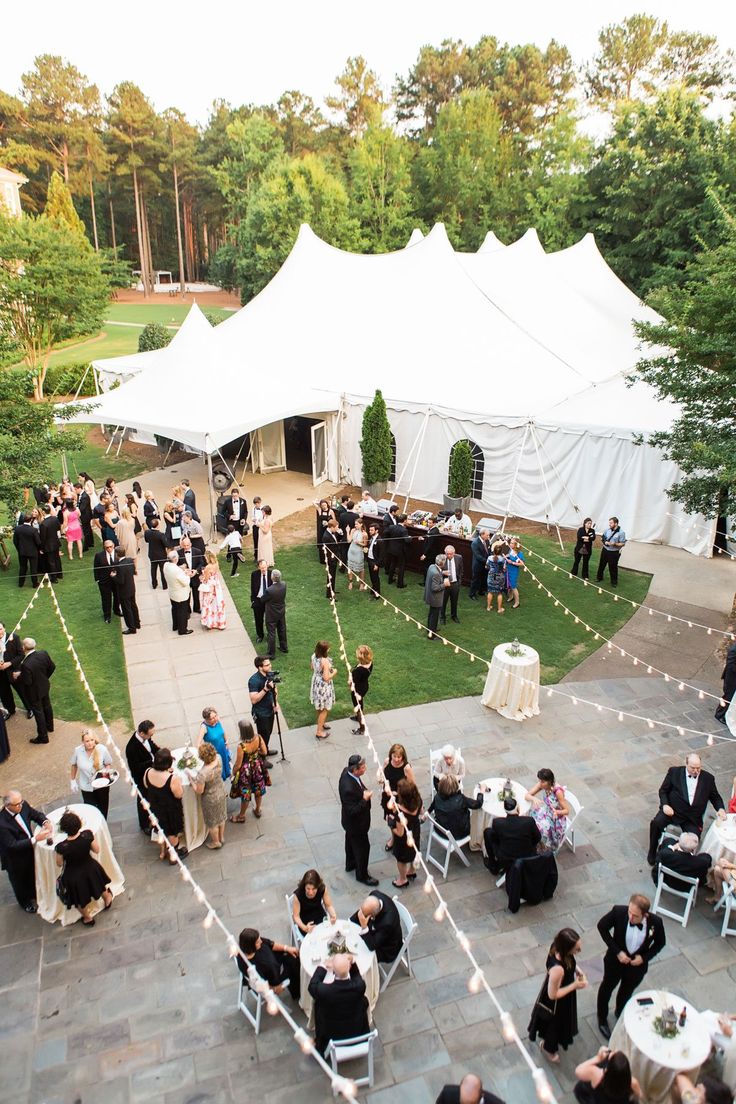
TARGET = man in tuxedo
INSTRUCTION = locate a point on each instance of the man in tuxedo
(48, 532)
(28, 545)
(125, 590)
(454, 575)
(191, 559)
(396, 540)
(260, 581)
(633, 936)
(729, 684)
(36, 669)
(236, 512)
(434, 587)
(431, 547)
(17, 845)
(84, 502)
(177, 580)
(340, 1005)
(11, 657)
(510, 837)
(683, 799)
(139, 752)
(275, 613)
(331, 540)
(481, 549)
(380, 925)
(105, 572)
(681, 858)
(155, 538)
(355, 817)
(469, 1091)
(374, 555)
(346, 518)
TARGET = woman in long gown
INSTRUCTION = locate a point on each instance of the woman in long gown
(211, 595)
(549, 809)
(164, 792)
(209, 784)
(83, 878)
(212, 732)
(555, 1014)
(126, 534)
(409, 802)
(265, 537)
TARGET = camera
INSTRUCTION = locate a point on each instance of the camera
(274, 677)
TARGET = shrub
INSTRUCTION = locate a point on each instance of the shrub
(64, 379)
(461, 471)
(153, 336)
(375, 443)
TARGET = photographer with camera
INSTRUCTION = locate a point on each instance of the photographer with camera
(264, 698)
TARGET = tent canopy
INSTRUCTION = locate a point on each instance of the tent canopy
(191, 335)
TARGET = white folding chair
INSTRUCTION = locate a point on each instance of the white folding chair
(727, 902)
(434, 758)
(246, 997)
(575, 810)
(671, 832)
(447, 845)
(408, 927)
(687, 895)
(348, 1050)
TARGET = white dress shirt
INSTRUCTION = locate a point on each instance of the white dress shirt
(635, 937)
(459, 526)
(692, 785)
(85, 765)
(450, 568)
(23, 825)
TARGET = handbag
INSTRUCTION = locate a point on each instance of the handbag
(61, 890)
(545, 1008)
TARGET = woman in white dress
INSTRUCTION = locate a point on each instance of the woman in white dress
(265, 538)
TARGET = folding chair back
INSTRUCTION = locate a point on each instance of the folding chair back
(575, 810)
(250, 1004)
(445, 844)
(348, 1050)
(687, 894)
(727, 902)
(408, 927)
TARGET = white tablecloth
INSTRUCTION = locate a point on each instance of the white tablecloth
(512, 685)
(49, 905)
(313, 952)
(720, 839)
(195, 832)
(655, 1061)
(492, 807)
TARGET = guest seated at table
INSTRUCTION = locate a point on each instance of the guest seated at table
(469, 1091)
(683, 798)
(680, 857)
(449, 762)
(340, 1005)
(451, 808)
(606, 1079)
(549, 809)
(510, 837)
(724, 871)
(276, 963)
(311, 902)
(709, 1090)
(722, 1061)
(380, 925)
(164, 792)
(84, 880)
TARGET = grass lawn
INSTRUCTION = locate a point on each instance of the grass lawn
(92, 459)
(99, 646)
(169, 313)
(409, 670)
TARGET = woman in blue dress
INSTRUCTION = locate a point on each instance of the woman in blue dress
(514, 564)
(496, 584)
(212, 731)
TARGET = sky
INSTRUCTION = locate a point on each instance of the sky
(185, 54)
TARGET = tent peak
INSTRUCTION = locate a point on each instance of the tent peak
(491, 244)
(416, 237)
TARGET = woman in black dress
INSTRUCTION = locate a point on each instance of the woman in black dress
(324, 513)
(360, 675)
(583, 548)
(164, 792)
(409, 802)
(83, 878)
(395, 767)
(606, 1079)
(311, 902)
(4, 741)
(555, 1013)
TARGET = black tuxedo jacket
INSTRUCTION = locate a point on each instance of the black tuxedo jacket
(673, 791)
(332, 540)
(139, 759)
(384, 930)
(432, 544)
(15, 846)
(512, 837)
(690, 866)
(198, 564)
(227, 510)
(125, 578)
(255, 583)
(378, 550)
(355, 810)
(275, 603)
(26, 539)
(481, 551)
(150, 511)
(48, 532)
(13, 651)
(613, 925)
(35, 671)
(451, 1095)
(102, 569)
(190, 502)
(340, 1007)
(396, 540)
(85, 508)
(157, 546)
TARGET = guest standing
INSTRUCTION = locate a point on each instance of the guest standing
(28, 546)
(396, 766)
(555, 1014)
(360, 675)
(11, 657)
(84, 880)
(150, 508)
(212, 732)
(613, 540)
(481, 549)
(234, 543)
(264, 700)
(125, 589)
(322, 691)
(514, 564)
(356, 554)
(409, 803)
(177, 581)
(104, 570)
(434, 588)
(729, 684)
(48, 531)
(583, 548)
(86, 503)
(35, 672)
(250, 773)
(211, 594)
(191, 560)
(172, 521)
(164, 792)
(256, 519)
(265, 537)
(140, 751)
(209, 783)
(549, 809)
(633, 936)
(127, 538)
(87, 759)
(355, 803)
(324, 514)
(496, 578)
(331, 539)
(236, 512)
(275, 613)
(454, 576)
(17, 846)
(157, 551)
(260, 581)
(312, 903)
(374, 556)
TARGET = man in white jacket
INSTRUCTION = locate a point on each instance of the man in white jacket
(177, 580)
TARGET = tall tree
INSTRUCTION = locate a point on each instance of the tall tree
(253, 145)
(300, 122)
(380, 188)
(57, 98)
(439, 74)
(182, 140)
(359, 94)
(59, 208)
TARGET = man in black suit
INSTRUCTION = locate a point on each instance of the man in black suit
(236, 512)
(275, 613)
(260, 581)
(346, 518)
(681, 858)
(28, 545)
(36, 669)
(84, 502)
(481, 549)
(11, 657)
(683, 799)
(17, 844)
(396, 540)
(454, 574)
(125, 590)
(355, 802)
(340, 1005)
(633, 936)
(374, 555)
(380, 925)
(510, 837)
(105, 572)
(193, 560)
(331, 540)
(729, 684)
(190, 499)
(155, 538)
(139, 752)
(48, 532)
(431, 548)
(469, 1091)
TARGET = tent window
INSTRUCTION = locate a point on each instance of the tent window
(392, 474)
(479, 466)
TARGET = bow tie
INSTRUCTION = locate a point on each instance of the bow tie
(639, 926)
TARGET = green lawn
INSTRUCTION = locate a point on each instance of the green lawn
(99, 646)
(169, 313)
(409, 670)
(92, 459)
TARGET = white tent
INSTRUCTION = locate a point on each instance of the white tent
(526, 362)
(191, 336)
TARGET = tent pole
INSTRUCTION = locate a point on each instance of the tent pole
(230, 473)
(420, 442)
(81, 382)
(112, 438)
(122, 438)
(516, 476)
(168, 453)
(398, 482)
(546, 485)
(213, 503)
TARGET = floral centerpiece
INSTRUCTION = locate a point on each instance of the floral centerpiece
(665, 1024)
(337, 945)
(188, 760)
(514, 649)
(506, 792)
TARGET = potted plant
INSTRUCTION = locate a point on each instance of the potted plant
(375, 447)
(461, 478)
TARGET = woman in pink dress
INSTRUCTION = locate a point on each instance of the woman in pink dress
(211, 594)
(72, 528)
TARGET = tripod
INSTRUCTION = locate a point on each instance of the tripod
(283, 758)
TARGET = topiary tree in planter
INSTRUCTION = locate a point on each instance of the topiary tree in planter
(375, 447)
(460, 482)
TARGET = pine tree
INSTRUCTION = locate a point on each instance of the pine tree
(375, 442)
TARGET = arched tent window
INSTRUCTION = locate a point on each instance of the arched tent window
(392, 473)
(479, 467)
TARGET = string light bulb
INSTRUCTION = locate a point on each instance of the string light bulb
(475, 982)
(440, 912)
